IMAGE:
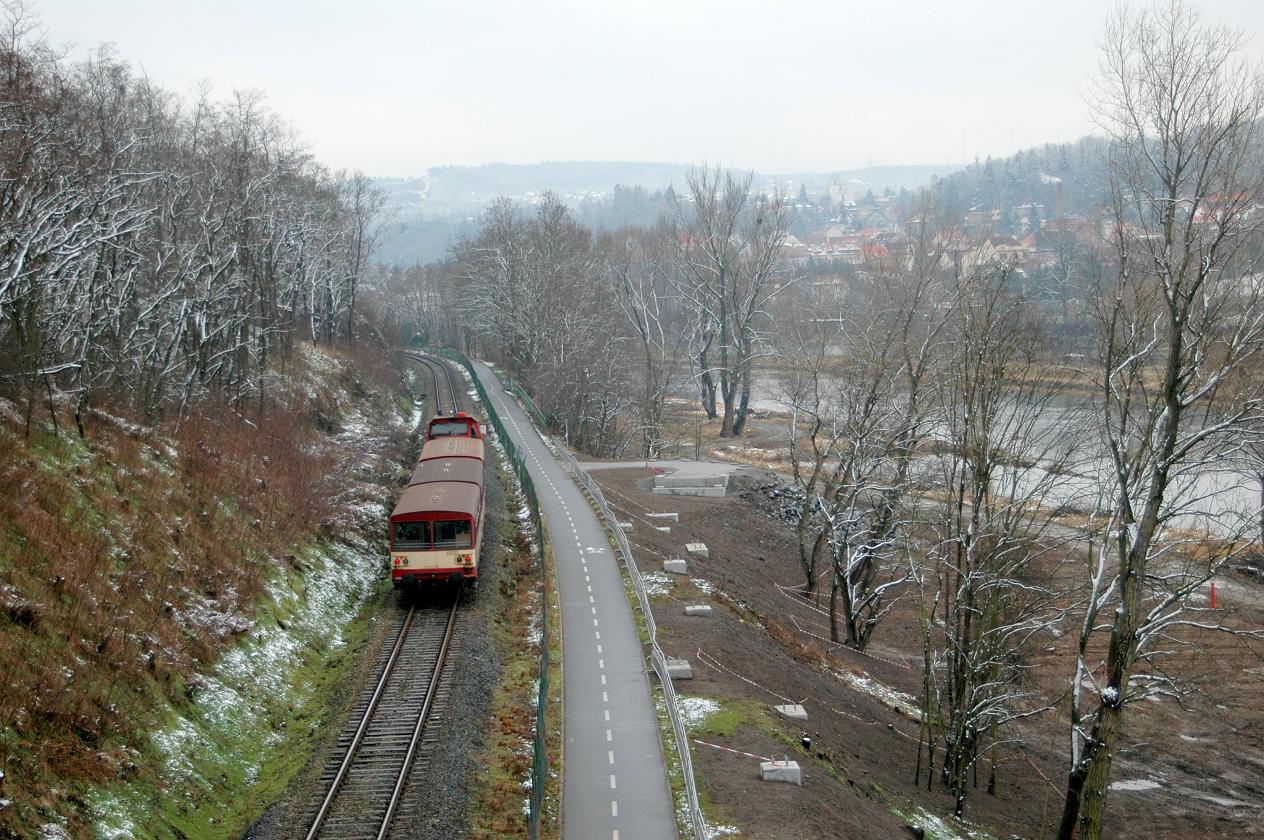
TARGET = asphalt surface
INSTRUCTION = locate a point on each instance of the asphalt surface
(615, 781)
(674, 467)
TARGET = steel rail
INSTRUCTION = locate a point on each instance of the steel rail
(422, 717)
(428, 364)
(362, 728)
(432, 364)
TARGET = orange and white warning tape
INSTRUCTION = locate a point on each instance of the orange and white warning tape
(727, 749)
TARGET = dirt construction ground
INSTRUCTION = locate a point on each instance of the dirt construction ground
(1186, 772)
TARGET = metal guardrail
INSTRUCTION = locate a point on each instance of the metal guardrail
(657, 658)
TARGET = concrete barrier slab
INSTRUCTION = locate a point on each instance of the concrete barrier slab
(713, 492)
(670, 517)
(679, 669)
(676, 566)
(698, 609)
(793, 711)
(626, 527)
(781, 771)
(691, 481)
(697, 549)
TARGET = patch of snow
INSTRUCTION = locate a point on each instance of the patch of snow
(657, 584)
(694, 711)
(261, 667)
(881, 692)
(707, 587)
(1136, 785)
(53, 831)
(938, 828)
(1224, 801)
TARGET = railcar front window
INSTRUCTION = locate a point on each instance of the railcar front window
(411, 536)
(449, 430)
(452, 534)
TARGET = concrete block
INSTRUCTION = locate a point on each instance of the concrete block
(781, 771)
(697, 549)
(626, 527)
(666, 529)
(670, 517)
(676, 566)
(713, 492)
(698, 609)
(679, 669)
(691, 481)
(691, 485)
(792, 711)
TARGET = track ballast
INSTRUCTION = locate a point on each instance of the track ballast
(367, 776)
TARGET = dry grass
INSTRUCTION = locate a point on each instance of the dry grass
(497, 810)
(128, 561)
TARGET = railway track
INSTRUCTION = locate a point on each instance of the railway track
(368, 774)
(436, 368)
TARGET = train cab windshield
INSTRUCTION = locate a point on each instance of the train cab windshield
(411, 535)
(453, 429)
(429, 536)
(452, 534)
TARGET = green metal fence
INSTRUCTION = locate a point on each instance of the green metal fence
(540, 761)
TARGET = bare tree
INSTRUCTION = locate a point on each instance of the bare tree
(638, 267)
(1001, 455)
(532, 294)
(856, 389)
(729, 246)
(1183, 312)
(157, 254)
(365, 221)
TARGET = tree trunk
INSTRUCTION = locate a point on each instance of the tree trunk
(743, 408)
(1087, 786)
(728, 393)
(1260, 479)
(52, 408)
(833, 610)
(707, 381)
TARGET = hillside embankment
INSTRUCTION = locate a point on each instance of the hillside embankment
(178, 600)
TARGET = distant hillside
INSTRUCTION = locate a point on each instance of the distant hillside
(876, 178)
(1031, 177)
(447, 188)
(432, 211)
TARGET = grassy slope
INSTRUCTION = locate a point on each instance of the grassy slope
(193, 585)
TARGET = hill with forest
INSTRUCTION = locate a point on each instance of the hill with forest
(429, 213)
(1032, 176)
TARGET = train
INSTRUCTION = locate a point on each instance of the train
(436, 528)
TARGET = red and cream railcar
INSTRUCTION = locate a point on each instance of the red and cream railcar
(437, 533)
(436, 528)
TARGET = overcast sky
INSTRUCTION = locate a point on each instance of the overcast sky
(393, 87)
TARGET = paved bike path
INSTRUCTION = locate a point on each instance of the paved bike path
(615, 782)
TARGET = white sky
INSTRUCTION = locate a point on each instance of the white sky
(394, 87)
